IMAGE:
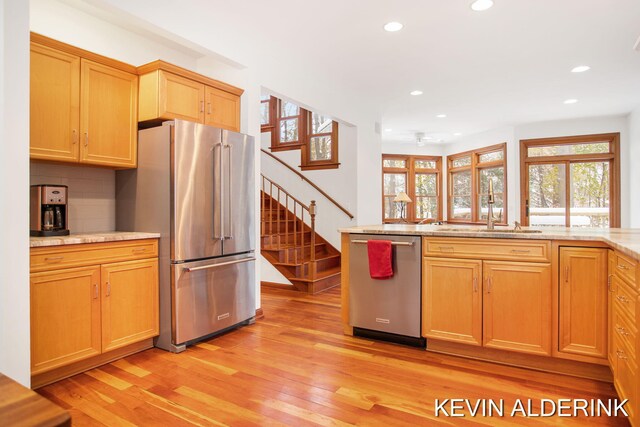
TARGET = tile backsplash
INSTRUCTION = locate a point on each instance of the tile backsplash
(92, 194)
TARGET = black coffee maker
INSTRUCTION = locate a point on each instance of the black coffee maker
(49, 210)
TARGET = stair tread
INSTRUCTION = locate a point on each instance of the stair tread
(287, 246)
(306, 261)
(320, 275)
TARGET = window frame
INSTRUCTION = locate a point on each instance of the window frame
(475, 168)
(410, 172)
(305, 153)
(276, 145)
(269, 127)
(613, 157)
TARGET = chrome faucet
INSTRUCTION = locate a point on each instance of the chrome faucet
(490, 202)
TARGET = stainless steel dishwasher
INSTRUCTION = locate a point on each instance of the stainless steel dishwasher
(387, 309)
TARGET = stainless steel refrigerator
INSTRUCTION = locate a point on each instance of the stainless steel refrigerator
(195, 184)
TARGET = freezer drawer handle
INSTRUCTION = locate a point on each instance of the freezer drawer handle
(393, 243)
(222, 264)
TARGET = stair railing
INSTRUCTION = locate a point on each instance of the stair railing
(278, 196)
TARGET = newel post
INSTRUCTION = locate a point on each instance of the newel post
(312, 264)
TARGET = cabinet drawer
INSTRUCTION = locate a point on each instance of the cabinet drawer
(626, 378)
(498, 249)
(57, 257)
(624, 331)
(626, 268)
(624, 299)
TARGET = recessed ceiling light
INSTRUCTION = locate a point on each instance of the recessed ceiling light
(393, 26)
(580, 69)
(480, 5)
(388, 130)
(570, 101)
(415, 92)
(457, 134)
(441, 116)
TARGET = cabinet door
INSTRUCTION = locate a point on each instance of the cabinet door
(452, 300)
(55, 104)
(180, 98)
(517, 306)
(129, 302)
(582, 291)
(65, 317)
(222, 109)
(108, 116)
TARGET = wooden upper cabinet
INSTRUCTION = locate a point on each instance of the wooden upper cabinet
(583, 301)
(129, 302)
(517, 306)
(452, 300)
(222, 109)
(65, 317)
(55, 104)
(169, 92)
(108, 123)
(83, 106)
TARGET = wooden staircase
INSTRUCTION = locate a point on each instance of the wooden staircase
(289, 242)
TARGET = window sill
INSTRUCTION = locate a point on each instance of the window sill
(286, 147)
(312, 167)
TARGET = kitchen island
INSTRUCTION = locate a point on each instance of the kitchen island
(559, 300)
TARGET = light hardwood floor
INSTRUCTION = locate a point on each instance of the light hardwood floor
(295, 367)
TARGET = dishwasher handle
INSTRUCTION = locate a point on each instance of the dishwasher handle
(364, 242)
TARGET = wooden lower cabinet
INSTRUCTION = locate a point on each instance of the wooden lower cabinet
(129, 302)
(65, 317)
(582, 291)
(517, 306)
(452, 300)
(81, 314)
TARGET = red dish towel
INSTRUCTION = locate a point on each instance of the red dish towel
(379, 252)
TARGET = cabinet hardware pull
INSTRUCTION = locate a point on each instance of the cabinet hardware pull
(86, 139)
(445, 248)
(622, 267)
(74, 140)
(202, 106)
(108, 289)
(475, 284)
(54, 258)
(622, 331)
(566, 274)
(622, 299)
(489, 284)
(95, 291)
(364, 242)
(139, 250)
(621, 355)
(209, 105)
(609, 282)
(520, 251)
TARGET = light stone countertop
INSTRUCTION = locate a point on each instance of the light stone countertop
(625, 240)
(76, 239)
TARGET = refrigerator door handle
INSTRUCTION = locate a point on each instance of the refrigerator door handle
(230, 216)
(222, 264)
(213, 218)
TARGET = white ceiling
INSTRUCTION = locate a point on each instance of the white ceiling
(505, 66)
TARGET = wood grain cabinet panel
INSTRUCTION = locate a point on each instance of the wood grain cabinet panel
(108, 116)
(488, 249)
(55, 104)
(180, 98)
(583, 301)
(517, 306)
(129, 302)
(65, 317)
(222, 109)
(452, 300)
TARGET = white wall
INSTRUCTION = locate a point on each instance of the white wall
(634, 168)
(14, 174)
(92, 194)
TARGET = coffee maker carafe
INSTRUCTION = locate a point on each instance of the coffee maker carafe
(49, 210)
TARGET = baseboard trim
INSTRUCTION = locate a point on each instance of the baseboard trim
(259, 313)
(277, 285)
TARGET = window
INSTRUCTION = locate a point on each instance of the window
(571, 181)
(469, 176)
(420, 178)
(293, 128)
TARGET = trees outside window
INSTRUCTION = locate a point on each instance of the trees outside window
(469, 175)
(571, 181)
